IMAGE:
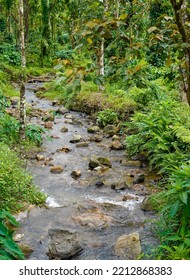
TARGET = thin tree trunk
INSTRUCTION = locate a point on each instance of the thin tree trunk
(23, 64)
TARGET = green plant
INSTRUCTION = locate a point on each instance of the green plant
(9, 250)
(34, 133)
(107, 116)
(173, 226)
(17, 189)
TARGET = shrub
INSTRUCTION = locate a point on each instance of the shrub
(16, 185)
(107, 116)
(9, 250)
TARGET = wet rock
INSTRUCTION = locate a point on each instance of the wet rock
(147, 204)
(115, 138)
(128, 247)
(62, 111)
(26, 249)
(75, 174)
(93, 129)
(64, 129)
(55, 102)
(64, 244)
(76, 138)
(94, 162)
(56, 169)
(118, 186)
(96, 138)
(77, 122)
(64, 149)
(99, 184)
(54, 136)
(14, 101)
(130, 197)
(82, 145)
(69, 121)
(105, 161)
(48, 125)
(110, 130)
(48, 117)
(18, 237)
(131, 163)
(93, 221)
(99, 161)
(40, 157)
(140, 178)
(69, 116)
(116, 145)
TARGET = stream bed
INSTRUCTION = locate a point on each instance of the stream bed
(100, 204)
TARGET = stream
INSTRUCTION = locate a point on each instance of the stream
(100, 204)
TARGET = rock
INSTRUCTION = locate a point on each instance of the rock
(96, 138)
(76, 138)
(105, 161)
(64, 149)
(118, 186)
(131, 163)
(99, 184)
(69, 121)
(147, 204)
(40, 157)
(56, 169)
(48, 117)
(26, 249)
(14, 101)
(93, 129)
(75, 174)
(64, 129)
(130, 197)
(93, 220)
(110, 130)
(18, 237)
(94, 162)
(115, 138)
(55, 103)
(64, 244)
(48, 125)
(116, 145)
(69, 116)
(82, 145)
(139, 179)
(62, 111)
(128, 247)
(77, 122)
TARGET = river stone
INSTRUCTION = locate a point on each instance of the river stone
(76, 138)
(139, 179)
(128, 247)
(26, 249)
(69, 121)
(94, 221)
(40, 157)
(75, 174)
(64, 129)
(48, 125)
(64, 244)
(64, 149)
(82, 145)
(62, 111)
(49, 117)
(147, 205)
(115, 137)
(69, 116)
(105, 161)
(93, 129)
(130, 197)
(110, 130)
(56, 169)
(131, 163)
(116, 145)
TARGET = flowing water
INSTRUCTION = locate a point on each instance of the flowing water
(88, 204)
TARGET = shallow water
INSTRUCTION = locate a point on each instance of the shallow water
(70, 201)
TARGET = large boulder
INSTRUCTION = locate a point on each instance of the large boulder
(64, 244)
(128, 247)
(93, 129)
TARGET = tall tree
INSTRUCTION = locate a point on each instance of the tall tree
(23, 64)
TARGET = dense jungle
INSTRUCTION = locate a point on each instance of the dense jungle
(95, 129)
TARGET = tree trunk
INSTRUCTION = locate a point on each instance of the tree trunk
(23, 64)
(181, 15)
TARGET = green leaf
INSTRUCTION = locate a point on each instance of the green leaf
(184, 197)
(174, 209)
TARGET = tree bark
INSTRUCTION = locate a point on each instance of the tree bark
(23, 64)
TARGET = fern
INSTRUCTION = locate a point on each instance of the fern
(182, 133)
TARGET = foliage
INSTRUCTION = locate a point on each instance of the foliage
(173, 226)
(107, 116)
(158, 131)
(9, 250)
(34, 134)
(16, 185)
